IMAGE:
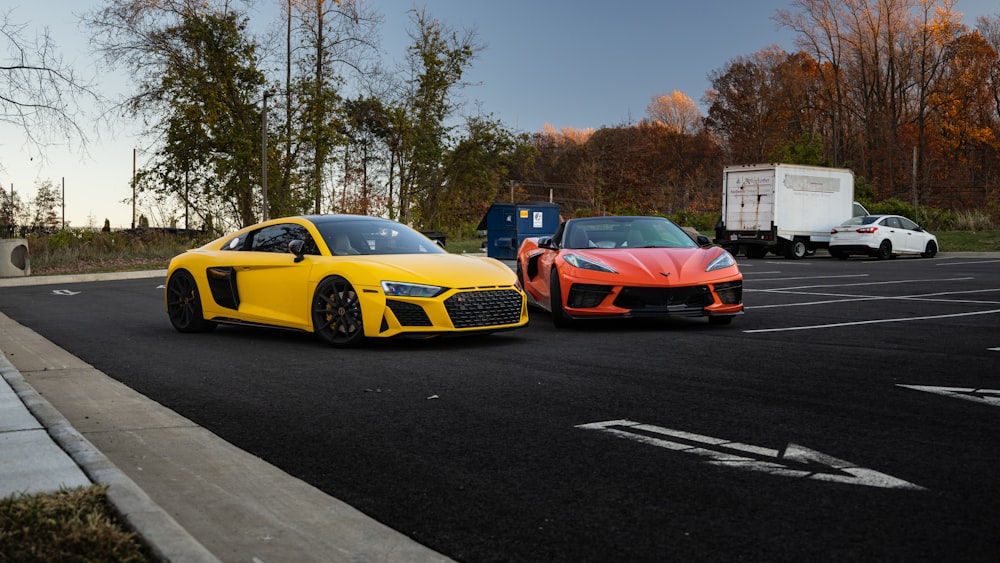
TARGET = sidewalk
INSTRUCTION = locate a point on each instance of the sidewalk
(191, 496)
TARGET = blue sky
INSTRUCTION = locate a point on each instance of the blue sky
(567, 63)
(595, 63)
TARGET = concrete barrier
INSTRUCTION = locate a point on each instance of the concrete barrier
(14, 258)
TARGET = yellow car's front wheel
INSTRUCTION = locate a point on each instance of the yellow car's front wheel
(184, 304)
(336, 313)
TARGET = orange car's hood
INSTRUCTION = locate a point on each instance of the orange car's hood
(659, 265)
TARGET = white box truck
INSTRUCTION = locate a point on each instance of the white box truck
(786, 209)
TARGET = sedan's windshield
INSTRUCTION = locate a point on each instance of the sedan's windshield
(374, 236)
(625, 232)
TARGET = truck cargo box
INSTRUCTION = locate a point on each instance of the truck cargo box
(782, 208)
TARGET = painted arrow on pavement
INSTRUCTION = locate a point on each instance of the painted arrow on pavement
(988, 396)
(794, 461)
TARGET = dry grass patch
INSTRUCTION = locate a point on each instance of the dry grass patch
(71, 525)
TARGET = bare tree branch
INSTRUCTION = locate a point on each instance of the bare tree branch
(40, 96)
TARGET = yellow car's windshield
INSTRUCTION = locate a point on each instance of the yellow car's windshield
(363, 236)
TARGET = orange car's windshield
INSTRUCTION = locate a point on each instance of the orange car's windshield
(625, 232)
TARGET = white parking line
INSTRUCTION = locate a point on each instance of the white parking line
(809, 278)
(964, 263)
(846, 298)
(893, 282)
(874, 321)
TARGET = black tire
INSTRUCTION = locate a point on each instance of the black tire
(336, 313)
(930, 251)
(559, 317)
(720, 321)
(796, 250)
(184, 304)
(884, 251)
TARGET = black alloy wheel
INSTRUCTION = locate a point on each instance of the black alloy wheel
(336, 313)
(184, 304)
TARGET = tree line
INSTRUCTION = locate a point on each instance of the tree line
(901, 91)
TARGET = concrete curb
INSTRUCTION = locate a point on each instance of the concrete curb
(76, 278)
(162, 534)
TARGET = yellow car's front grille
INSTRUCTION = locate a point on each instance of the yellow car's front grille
(471, 309)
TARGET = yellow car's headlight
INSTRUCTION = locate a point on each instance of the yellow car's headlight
(402, 289)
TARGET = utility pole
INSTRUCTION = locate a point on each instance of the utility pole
(133, 187)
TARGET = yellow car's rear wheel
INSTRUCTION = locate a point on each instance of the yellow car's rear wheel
(336, 313)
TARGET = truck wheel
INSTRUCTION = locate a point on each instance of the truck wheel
(796, 249)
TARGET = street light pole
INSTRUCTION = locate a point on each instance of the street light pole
(263, 154)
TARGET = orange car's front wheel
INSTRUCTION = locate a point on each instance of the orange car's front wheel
(559, 317)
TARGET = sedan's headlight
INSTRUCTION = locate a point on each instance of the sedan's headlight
(402, 289)
(724, 260)
(578, 261)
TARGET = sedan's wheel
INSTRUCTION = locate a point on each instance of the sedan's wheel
(336, 313)
(184, 304)
(884, 250)
(559, 317)
(930, 251)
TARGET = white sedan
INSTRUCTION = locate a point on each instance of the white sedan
(881, 236)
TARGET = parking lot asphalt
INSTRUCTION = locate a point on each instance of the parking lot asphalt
(252, 511)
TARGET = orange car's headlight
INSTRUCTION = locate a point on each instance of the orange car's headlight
(578, 261)
(724, 260)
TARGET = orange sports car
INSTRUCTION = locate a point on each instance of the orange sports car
(629, 267)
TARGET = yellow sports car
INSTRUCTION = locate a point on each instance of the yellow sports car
(343, 277)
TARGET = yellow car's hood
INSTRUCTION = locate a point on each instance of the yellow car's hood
(445, 270)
